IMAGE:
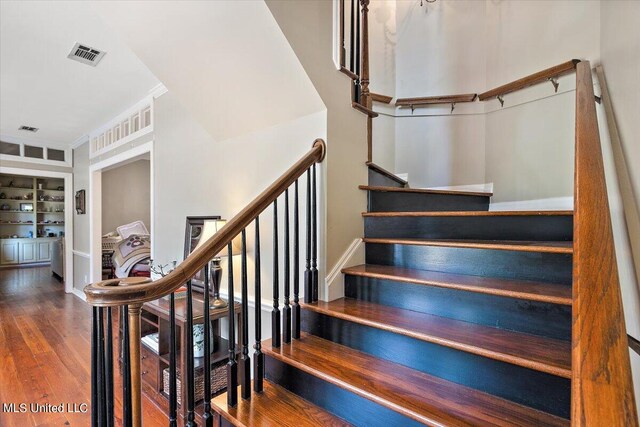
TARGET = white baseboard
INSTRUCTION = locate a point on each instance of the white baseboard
(550, 204)
(354, 255)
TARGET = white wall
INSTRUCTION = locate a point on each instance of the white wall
(126, 195)
(469, 47)
(382, 71)
(536, 137)
(81, 222)
(620, 44)
(440, 50)
(197, 175)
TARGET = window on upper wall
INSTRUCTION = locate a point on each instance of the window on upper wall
(9, 148)
(33, 152)
(53, 154)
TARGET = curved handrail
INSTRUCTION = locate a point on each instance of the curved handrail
(602, 388)
(117, 292)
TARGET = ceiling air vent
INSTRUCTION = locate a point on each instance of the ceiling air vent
(85, 54)
(29, 128)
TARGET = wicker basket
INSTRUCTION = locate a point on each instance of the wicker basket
(218, 381)
(110, 243)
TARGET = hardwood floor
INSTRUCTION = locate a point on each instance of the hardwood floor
(45, 352)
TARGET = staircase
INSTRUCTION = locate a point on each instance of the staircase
(460, 316)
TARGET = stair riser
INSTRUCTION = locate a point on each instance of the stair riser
(538, 228)
(376, 179)
(342, 403)
(385, 201)
(545, 267)
(549, 320)
(536, 389)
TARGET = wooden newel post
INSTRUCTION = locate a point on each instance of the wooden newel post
(364, 76)
(134, 345)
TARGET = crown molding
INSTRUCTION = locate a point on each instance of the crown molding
(158, 90)
(78, 142)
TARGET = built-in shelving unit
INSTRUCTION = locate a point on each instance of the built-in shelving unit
(31, 218)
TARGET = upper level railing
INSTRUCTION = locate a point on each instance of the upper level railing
(602, 388)
(129, 294)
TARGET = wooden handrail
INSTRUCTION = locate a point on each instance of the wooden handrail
(139, 290)
(369, 112)
(530, 80)
(429, 100)
(376, 97)
(602, 388)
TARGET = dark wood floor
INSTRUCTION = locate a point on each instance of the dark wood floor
(45, 354)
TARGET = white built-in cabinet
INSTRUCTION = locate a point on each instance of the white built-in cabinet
(9, 252)
(25, 251)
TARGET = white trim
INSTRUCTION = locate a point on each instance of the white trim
(158, 90)
(79, 294)
(68, 214)
(80, 141)
(354, 255)
(81, 254)
(138, 107)
(265, 305)
(127, 139)
(95, 203)
(549, 204)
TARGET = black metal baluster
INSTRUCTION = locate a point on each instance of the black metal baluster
(108, 370)
(232, 365)
(127, 419)
(95, 402)
(308, 279)
(295, 314)
(173, 391)
(314, 237)
(258, 356)
(245, 359)
(206, 414)
(275, 313)
(188, 380)
(102, 407)
(352, 27)
(357, 52)
(286, 311)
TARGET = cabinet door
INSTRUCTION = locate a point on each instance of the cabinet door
(44, 251)
(9, 253)
(27, 251)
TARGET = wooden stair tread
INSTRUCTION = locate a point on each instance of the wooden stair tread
(386, 173)
(275, 407)
(561, 247)
(512, 288)
(422, 191)
(535, 352)
(417, 395)
(469, 213)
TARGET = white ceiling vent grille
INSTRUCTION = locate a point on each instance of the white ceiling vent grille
(85, 54)
(28, 128)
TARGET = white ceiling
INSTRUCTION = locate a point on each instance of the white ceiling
(227, 62)
(40, 87)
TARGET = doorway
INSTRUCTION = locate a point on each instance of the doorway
(36, 221)
(121, 194)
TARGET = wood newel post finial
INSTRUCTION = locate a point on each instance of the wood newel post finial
(364, 77)
(134, 344)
